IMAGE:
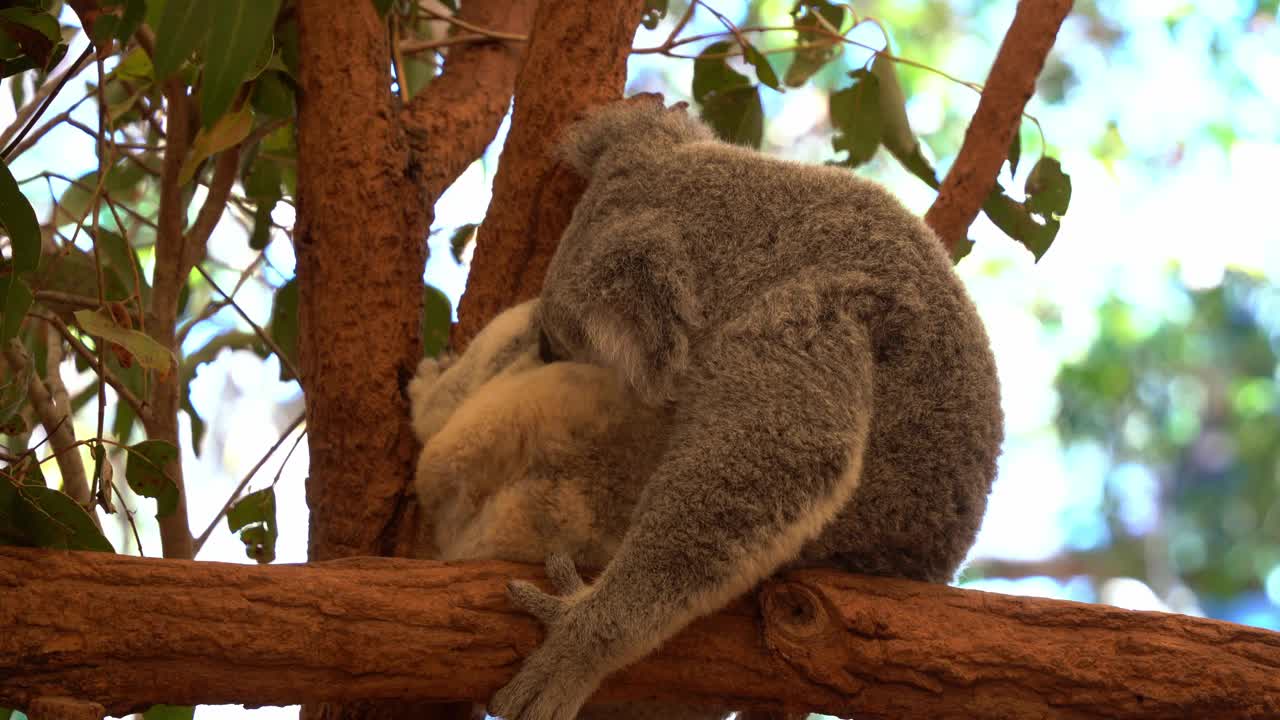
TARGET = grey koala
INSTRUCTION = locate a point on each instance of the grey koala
(772, 365)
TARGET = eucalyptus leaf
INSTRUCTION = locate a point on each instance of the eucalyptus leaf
(437, 318)
(183, 29)
(19, 221)
(254, 517)
(146, 473)
(239, 30)
(149, 353)
(16, 297)
(736, 115)
(169, 712)
(764, 71)
(815, 49)
(228, 131)
(713, 74)
(284, 324)
(35, 516)
(654, 11)
(460, 239)
(855, 113)
(1048, 188)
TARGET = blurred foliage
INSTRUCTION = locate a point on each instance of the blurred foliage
(1192, 397)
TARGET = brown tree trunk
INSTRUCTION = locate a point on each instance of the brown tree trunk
(577, 60)
(142, 631)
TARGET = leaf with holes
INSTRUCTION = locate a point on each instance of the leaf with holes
(855, 113)
(816, 48)
(654, 11)
(1048, 189)
(146, 474)
(254, 517)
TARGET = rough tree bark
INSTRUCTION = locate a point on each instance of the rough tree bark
(378, 629)
(577, 60)
(986, 141)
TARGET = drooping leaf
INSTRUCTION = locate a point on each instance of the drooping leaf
(961, 250)
(19, 221)
(855, 113)
(1016, 221)
(254, 517)
(35, 31)
(273, 94)
(816, 48)
(897, 135)
(120, 260)
(764, 71)
(712, 74)
(736, 115)
(228, 131)
(1048, 188)
(238, 31)
(654, 11)
(461, 238)
(34, 516)
(16, 296)
(183, 29)
(145, 471)
(149, 353)
(1015, 152)
(284, 324)
(437, 317)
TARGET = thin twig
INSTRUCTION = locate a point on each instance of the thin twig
(262, 334)
(492, 34)
(47, 92)
(235, 494)
(122, 391)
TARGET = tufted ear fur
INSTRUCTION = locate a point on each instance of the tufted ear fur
(591, 142)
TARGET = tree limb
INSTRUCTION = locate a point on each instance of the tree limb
(57, 425)
(456, 116)
(576, 60)
(376, 629)
(986, 141)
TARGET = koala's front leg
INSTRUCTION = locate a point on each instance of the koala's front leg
(767, 446)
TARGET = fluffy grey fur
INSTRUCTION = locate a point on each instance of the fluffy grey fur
(773, 365)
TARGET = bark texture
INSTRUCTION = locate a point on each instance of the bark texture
(143, 631)
(986, 141)
(576, 60)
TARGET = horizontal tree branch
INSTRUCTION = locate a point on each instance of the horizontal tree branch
(127, 632)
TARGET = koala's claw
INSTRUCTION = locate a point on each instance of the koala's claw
(554, 682)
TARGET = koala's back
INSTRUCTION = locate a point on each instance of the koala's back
(776, 240)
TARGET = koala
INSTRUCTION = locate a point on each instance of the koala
(737, 364)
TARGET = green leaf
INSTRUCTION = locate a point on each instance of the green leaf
(135, 66)
(120, 260)
(34, 516)
(145, 471)
(713, 74)
(1048, 189)
(461, 238)
(855, 113)
(36, 32)
(736, 115)
(437, 317)
(183, 28)
(764, 71)
(76, 273)
(239, 30)
(273, 95)
(383, 6)
(654, 11)
(135, 11)
(419, 69)
(897, 136)
(225, 133)
(962, 249)
(149, 353)
(1016, 221)
(169, 712)
(17, 297)
(123, 179)
(284, 324)
(19, 221)
(261, 235)
(815, 51)
(254, 516)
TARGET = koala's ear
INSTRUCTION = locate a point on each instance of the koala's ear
(638, 124)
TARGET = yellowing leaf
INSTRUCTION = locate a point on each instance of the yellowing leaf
(225, 133)
(149, 353)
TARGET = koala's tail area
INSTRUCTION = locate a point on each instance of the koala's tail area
(611, 133)
(767, 447)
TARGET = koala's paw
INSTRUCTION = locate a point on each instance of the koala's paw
(559, 676)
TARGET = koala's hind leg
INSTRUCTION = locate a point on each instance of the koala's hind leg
(766, 447)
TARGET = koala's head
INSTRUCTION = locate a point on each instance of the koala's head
(639, 124)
